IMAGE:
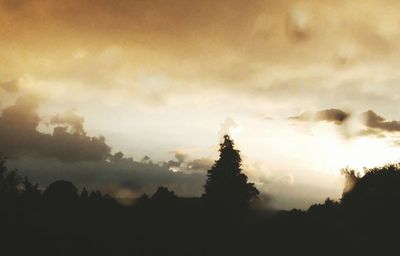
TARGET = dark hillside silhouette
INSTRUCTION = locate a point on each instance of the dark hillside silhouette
(61, 220)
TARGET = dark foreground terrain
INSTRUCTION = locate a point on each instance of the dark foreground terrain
(59, 221)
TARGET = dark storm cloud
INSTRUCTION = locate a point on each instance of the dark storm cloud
(373, 124)
(68, 153)
(375, 121)
(333, 115)
(68, 142)
(378, 126)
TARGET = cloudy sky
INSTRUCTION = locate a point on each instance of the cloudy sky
(304, 87)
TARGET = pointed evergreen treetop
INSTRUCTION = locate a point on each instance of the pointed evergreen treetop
(226, 185)
(84, 193)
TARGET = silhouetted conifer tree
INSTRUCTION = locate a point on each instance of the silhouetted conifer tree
(9, 181)
(96, 195)
(226, 185)
(29, 191)
(163, 194)
(84, 194)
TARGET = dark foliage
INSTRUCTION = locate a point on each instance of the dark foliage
(9, 182)
(63, 221)
(378, 189)
(164, 195)
(60, 191)
(227, 187)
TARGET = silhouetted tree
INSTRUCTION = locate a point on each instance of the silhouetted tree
(226, 185)
(96, 195)
(143, 199)
(163, 195)
(351, 178)
(9, 181)
(29, 191)
(61, 191)
(84, 194)
(117, 157)
(378, 189)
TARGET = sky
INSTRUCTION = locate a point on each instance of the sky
(126, 95)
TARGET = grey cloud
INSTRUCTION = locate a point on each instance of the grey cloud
(19, 135)
(375, 121)
(333, 115)
(68, 153)
(69, 118)
(182, 164)
(180, 156)
(378, 127)
(178, 164)
(371, 133)
(202, 164)
(374, 124)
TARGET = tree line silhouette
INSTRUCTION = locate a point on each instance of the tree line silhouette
(61, 220)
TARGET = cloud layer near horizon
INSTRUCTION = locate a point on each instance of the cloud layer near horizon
(69, 153)
(370, 123)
